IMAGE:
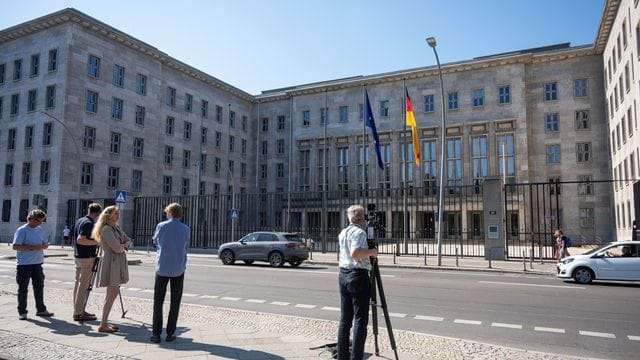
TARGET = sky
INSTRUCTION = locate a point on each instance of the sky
(258, 45)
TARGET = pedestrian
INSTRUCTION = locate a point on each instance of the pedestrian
(355, 286)
(562, 245)
(66, 232)
(29, 242)
(171, 239)
(113, 269)
(85, 251)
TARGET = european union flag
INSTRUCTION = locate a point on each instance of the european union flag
(374, 133)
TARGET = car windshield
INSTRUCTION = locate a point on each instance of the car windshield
(292, 237)
(596, 250)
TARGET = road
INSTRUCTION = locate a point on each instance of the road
(538, 313)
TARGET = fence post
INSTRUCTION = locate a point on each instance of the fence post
(490, 262)
(425, 256)
(456, 256)
(524, 260)
(531, 259)
(394, 254)
(540, 253)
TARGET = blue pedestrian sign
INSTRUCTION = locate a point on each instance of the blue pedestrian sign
(121, 196)
(234, 214)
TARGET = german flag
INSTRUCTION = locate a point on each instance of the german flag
(411, 122)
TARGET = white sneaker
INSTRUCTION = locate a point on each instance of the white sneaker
(22, 316)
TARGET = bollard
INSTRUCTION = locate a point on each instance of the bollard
(456, 256)
(524, 261)
(531, 259)
(425, 256)
(311, 253)
(394, 254)
(489, 260)
(540, 253)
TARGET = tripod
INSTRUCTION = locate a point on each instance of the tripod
(377, 280)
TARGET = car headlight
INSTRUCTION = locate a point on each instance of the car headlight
(567, 261)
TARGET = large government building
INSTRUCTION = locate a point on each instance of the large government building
(86, 109)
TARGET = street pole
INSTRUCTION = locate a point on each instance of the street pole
(431, 41)
(75, 144)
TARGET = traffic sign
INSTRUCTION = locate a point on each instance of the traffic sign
(234, 214)
(121, 196)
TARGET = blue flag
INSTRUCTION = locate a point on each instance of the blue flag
(374, 133)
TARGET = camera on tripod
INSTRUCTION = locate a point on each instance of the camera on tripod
(374, 224)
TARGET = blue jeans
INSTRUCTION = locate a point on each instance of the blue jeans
(159, 292)
(355, 293)
(24, 273)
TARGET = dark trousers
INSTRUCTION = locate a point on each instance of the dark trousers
(355, 293)
(24, 273)
(159, 292)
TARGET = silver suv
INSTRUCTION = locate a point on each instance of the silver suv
(276, 248)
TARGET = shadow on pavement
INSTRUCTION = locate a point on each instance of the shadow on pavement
(62, 327)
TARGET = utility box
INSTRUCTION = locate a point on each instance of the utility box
(492, 198)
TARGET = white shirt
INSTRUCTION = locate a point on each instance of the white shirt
(353, 237)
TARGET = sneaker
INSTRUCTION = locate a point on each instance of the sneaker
(44, 313)
(22, 316)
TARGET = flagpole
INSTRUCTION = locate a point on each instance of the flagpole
(324, 178)
(405, 219)
(290, 162)
(364, 150)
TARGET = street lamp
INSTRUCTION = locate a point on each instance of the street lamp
(77, 152)
(431, 41)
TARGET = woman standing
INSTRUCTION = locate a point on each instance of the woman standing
(113, 270)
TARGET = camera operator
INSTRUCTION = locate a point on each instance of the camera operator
(355, 286)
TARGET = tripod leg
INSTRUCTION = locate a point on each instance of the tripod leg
(124, 312)
(383, 301)
(374, 312)
(94, 273)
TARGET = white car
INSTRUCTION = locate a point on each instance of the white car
(618, 260)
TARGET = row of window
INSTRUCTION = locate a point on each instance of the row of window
(45, 172)
(624, 129)
(625, 171)
(32, 101)
(34, 66)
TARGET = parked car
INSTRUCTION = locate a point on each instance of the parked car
(618, 260)
(276, 248)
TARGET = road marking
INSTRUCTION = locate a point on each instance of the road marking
(398, 315)
(467, 322)
(229, 298)
(634, 338)
(508, 326)
(330, 308)
(597, 334)
(55, 281)
(305, 269)
(131, 288)
(533, 285)
(429, 318)
(255, 301)
(279, 303)
(305, 306)
(548, 329)
(150, 291)
(209, 296)
(189, 294)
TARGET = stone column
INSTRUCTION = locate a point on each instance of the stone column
(492, 199)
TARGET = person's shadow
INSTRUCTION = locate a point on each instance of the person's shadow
(63, 327)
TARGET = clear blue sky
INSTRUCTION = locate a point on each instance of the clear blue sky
(259, 45)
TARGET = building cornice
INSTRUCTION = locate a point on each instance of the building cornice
(606, 22)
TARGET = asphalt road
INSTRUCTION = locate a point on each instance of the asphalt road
(538, 313)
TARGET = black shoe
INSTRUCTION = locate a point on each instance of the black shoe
(170, 338)
(155, 339)
(44, 313)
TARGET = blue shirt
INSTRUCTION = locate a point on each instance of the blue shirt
(350, 238)
(29, 236)
(172, 240)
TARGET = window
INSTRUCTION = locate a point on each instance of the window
(141, 84)
(454, 165)
(624, 34)
(8, 175)
(430, 165)
(582, 120)
(265, 124)
(507, 158)
(362, 171)
(188, 103)
(553, 154)
(47, 133)
(583, 152)
(550, 91)
(478, 98)
(15, 104)
(554, 185)
(89, 140)
(232, 143)
(218, 139)
(201, 188)
(203, 135)
(279, 170)
(168, 155)
(303, 169)
(216, 165)
(45, 168)
(186, 130)
(280, 146)
(360, 112)
(479, 156)
(92, 102)
(35, 65)
(322, 172)
(53, 60)
(28, 137)
(171, 96)
(11, 139)
(504, 95)
(219, 113)
(185, 187)
(306, 118)
(204, 109)
(552, 123)
(93, 66)
(115, 143)
(168, 127)
(384, 108)
(243, 170)
(1, 107)
(585, 186)
(406, 165)
(138, 148)
(384, 176)
(186, 158)
(26, 173)
(232, 119)
(453, 100)
(265, 147)
(2, 73)
(136, 180)
(627, 78)
(344, 113)
(113, 177)
(116, 108)
(17, 69)
(244, 146)
(281, 119)
(87, 174)
(6, 210)
(203, 162)
(118, 75)
(231, 167)
(141, 112)
(32, 97)
(263, 171)
(244, 123)
(586, 218)
(50, 98)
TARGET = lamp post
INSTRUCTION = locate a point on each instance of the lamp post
(77, 152)
(431, 41)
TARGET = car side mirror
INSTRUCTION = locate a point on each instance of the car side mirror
(600, 254)
(241, 241)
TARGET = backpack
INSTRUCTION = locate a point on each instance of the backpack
(567, 241)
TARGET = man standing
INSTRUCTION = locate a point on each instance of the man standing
(66, 232)
(85, 252)
(172, 241)
(355, 286)
(29, 242)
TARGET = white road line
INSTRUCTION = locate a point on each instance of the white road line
(209, 296)
(548, 329)
(467, 322)
(55, 281)
(533, 285)
(131, 288)
(68, 283)
(305, 306)
(305, 273)
(330, 308)
(150, 291)
(256, 301)
(429, 318)
(634, 338)
(229, 298)
(279, 303)
(508, 326)
(597, 334)
(398, 315)
(189, 294)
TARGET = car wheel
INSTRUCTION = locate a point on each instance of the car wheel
(583, 275)
(248, 262)
(276, 259)
(227, 257)
(295, 263)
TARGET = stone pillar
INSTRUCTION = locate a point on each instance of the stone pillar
(493, 201)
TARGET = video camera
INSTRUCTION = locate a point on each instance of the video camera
(373, 223)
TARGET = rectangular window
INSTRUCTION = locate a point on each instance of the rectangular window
(34, 69)
(583, 152)
(32, 97)
(45, 168)
(265, 124)
(203, 135)
(116, 108)
(281, 120)
(550, 91)
(551, 122)
(168, 127)
(186, 158)
(232, 119)
(479, 156)
(185, 187)
(322, 172)
(304, 163)
(8, 175)
(138, 148)
(141, 84)
(188, 103)
(11, 139)
(454, 165)
(186, 130)
(136, 180)
(478, 98)
(89, 139)
(204, 109)
(218, 139)
(28, 137)
(384, 108)
(360, 112)
(362, 170)
(15, 104)
(47, 133)
(265, 147)
(280, 146)
(115, 143)
(113, 177)
(2, 73)
(216, 165)
(580, 87)
(53, 60)
(384, 176)
(582, 120)
(244, 123)
(279, 170)
(586, 218)
(50, 98)
(6, 210)
(118, 75)
(504, 95)
(141, 112)
(453, 100)
(232, 143)
(507, 158)
(585, 186)
(244, 146)
(430, 165)
(87, 174)
(219, 113)
(203, 162)
(17, 69)
(243, 170)
(92, 102)
(263, 171)
(406, 164)
(306, 118)
(231, 167)
(93, 66)
(171, 96)
(168, 155)
(553, 154)
(555, 188)
(344, 113)
(26, 173)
